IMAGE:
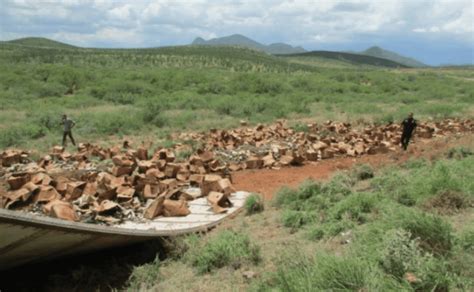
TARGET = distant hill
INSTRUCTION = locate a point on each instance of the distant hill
(243, 41)
(40, 42)
(235, 58)
(389, 55)
(357, 59)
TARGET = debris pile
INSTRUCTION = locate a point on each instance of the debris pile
(110, 185)
(275, 146)
(135, 186)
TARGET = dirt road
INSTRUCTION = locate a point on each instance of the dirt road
(268, 181)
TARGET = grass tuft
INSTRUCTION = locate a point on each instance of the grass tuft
(145, 276)
(227, 248)
(253, 204)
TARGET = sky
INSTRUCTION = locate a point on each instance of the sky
(436, 32)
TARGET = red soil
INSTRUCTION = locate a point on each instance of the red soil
(268, 181)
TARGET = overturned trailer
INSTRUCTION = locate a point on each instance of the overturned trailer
(27, 238)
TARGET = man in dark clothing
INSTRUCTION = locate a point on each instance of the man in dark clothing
(409, 125)
(68, 124)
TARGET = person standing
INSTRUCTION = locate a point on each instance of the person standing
(68, 124)
(409, 126)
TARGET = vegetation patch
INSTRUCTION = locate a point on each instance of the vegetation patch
(227, 248)
(391, 245)
(448, 202)
(145, 276)
(253, 204)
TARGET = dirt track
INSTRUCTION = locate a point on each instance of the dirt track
(268, 181)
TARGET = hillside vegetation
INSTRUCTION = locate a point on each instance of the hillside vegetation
(40, 42)
(357, 59)
(148, 93)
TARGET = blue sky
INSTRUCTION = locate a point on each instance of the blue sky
(432, 31)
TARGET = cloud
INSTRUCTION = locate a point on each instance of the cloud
(313, 24)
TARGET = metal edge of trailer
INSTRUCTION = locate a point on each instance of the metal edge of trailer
(29, 238)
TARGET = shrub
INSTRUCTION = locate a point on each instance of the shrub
(435, 235)
(354, 207)
(362, 172)
(227, 248)
(298, 272)
(448, 202)
(403, 258)
(284, 196)
(334, 228)
(145, 276)
(315, 233)
(152, 113)
(459, 153)
(109, 123)
(402, 254)
(339, 186)
(19, 134)
(296, 219)
(253, 204)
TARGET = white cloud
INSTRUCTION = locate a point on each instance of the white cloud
(308, 22)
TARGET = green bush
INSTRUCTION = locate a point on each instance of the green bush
(339, 186)
(16, 135)
(284, 196)
(459, 153)
(152, 113)
(109, 123)
(354, 207)
(297, 219)
(227, 248)
(362, 171)
(334, 228)
(402, 255)
(419, 180)
(434, 233)
(145, 276)
(253, 204)
(298, 272)
(315, 233)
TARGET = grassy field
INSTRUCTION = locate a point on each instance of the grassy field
(148, 93)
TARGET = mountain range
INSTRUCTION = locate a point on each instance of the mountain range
(283, 49)
(243, 41)
(286, 49)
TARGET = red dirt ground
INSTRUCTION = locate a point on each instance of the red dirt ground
(268, 181)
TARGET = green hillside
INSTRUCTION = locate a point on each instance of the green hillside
(40, 42)
(350, 58)
(389, 55)
(235, 58)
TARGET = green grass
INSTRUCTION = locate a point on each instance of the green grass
(144, 276)
(254, 204)
(149, 92)
(322, 272)
(227, 248)
(392, 245)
